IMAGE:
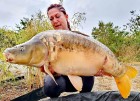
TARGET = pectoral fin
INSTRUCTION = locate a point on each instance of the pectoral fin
(76, 82)
(49, 73)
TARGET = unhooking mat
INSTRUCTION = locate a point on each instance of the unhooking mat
(98, 96)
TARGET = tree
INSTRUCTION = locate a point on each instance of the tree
(134, 23)
(134, 26)
(32, 26)
(119, 41)
(61, 2)
(77, 20)
(109, 35)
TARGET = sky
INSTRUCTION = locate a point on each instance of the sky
(116, 11)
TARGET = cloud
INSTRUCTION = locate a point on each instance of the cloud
(116, 11)
(13, 10)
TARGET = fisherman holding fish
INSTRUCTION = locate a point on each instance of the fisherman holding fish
(80, 58)
(59, 20)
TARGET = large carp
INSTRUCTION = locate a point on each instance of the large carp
(73, 55)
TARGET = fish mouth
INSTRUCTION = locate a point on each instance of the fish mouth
(9, 57)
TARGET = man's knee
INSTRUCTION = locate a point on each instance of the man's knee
(51, 89)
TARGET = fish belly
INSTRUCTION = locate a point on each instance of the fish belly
(78, 63)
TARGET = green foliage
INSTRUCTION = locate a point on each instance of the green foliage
(30, 27)
(110, 36)
(7, 39)
(4, 71)
(134, 29)
(134, 23)
(77, 20)
(125, 45)
(134, 26)
(27, 28)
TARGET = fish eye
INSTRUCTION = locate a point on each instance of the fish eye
(22, 48)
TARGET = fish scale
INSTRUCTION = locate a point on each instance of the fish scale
(68, 40)
(85, 42)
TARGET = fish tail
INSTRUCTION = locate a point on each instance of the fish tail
(131, 72)
(124, 82)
